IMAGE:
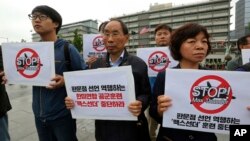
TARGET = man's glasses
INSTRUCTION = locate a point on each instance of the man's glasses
(41, 17)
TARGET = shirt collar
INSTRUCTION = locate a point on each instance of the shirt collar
(118, 61)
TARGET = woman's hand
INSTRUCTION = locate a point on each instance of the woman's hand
(164, 102)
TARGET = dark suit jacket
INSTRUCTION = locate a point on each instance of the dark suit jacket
(109, 130)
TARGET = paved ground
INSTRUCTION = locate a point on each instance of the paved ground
(21, 120)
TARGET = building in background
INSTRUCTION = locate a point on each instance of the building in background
(67, 30)
(242, 18)
(213, 14)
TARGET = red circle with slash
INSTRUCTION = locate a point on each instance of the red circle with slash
(98, 43)
(28, 62)
(212, 92)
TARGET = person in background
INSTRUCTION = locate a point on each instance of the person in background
(162, 35)
(102, 26)
(245, 68)
(162, 39)
(115, 37)
(189, 45)
(5, 106)
(92, 59)
(52, 119)
(242, 43)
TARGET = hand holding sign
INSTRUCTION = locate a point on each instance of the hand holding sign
(69, 103)
(135, 107)
(164, 102)
(57, 82)
(248, 108)
(3, 79)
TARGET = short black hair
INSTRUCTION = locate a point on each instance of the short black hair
(242, 41)
(102, 26)
(123, 25)
(50, 12)
(163, 26)
(184, 32)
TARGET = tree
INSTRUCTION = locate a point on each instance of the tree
(23, 41)
(77, 41)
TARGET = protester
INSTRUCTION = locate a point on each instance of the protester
(245, 67)
(163, 35)
(115, 37)
(102, 26)
(4, 106)
(189, 45)
(162, 39)
(242, 43)
(53, 121)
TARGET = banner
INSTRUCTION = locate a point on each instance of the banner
(93, 46)
(103, 93)
(206, 101)
(157, 59)
(29, 63)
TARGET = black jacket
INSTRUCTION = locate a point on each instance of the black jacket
(4, 99)
(109, 130)
(171, 134)
(245, 67)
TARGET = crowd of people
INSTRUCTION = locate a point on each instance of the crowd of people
(188, 44)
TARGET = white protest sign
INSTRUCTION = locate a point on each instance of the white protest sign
(245, 55)
(157, 59)
(93, 46)
(103, 93)
(29, 63)
(205, 100)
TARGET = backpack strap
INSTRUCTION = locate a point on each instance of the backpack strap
(67, 56)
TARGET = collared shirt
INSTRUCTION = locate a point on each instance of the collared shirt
(118, 61)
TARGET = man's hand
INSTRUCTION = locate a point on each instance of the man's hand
(58, 82)
(135, 107)
(91, 60)
(69, 103)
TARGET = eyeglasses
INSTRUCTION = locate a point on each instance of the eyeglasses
(41, 17)
(113, 34)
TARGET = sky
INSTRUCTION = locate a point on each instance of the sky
(15, 24)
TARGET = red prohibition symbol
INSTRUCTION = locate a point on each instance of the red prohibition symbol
(211, 94)
(98, 43)
(158, 61)
(28, 63)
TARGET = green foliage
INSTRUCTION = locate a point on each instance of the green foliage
(77, 41)
(23, 41)
(60, 36)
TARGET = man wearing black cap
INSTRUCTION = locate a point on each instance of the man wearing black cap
(53, 121)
